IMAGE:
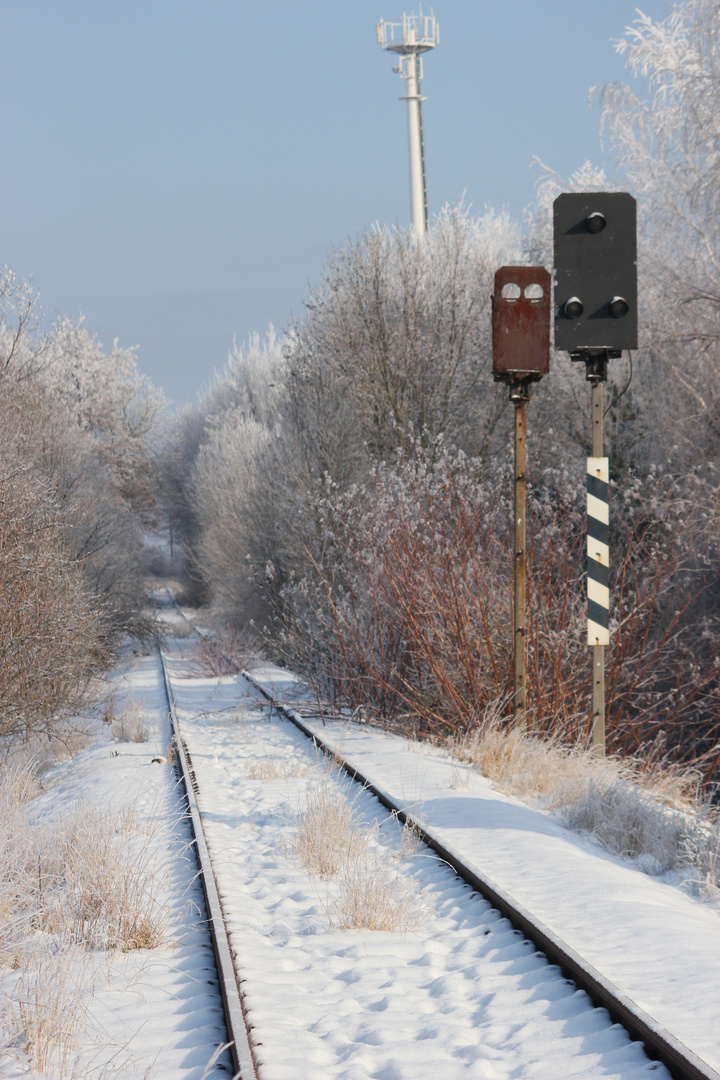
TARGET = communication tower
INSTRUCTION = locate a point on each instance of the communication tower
(416, 34)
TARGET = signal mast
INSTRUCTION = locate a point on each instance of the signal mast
(416, 34)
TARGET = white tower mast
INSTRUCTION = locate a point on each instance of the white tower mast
(416, 34)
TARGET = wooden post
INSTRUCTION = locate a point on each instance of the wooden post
(519, 627)
(521, 355)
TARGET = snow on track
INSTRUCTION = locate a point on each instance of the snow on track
(657, 944)
(461, 994)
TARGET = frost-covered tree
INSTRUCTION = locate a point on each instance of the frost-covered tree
(397, 338)
(211, 468)
(81, 425)
(664, 135)
(106, 397)
(224, 492)
(667, 143)
(343, 498)
(51, 635)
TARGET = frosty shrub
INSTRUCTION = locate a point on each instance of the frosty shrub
(51, 641)
(410, 599)
(666, 139)
(210, 472)
(395, 336)
(130, 723)
(76, 494)
(81, 422)
(224, 653)
(405, 571)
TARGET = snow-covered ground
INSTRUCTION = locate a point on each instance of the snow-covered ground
(152, 1012)
(656, 943)
(451, 991)
(459, 994)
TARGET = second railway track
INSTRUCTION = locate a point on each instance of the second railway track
(660, 1044)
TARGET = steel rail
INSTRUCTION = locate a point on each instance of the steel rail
(659, 1043)
(244, 1062)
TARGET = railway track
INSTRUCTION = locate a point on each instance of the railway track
(244, 1062)
(659, 1044)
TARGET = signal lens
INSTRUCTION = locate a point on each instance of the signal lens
(618, 307)
(534, 294)
(595, 223)
(573, 308)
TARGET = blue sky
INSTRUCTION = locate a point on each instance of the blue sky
(178, 171)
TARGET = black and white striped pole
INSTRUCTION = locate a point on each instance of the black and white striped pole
(595, 319)
(598, 551)
(598, 571)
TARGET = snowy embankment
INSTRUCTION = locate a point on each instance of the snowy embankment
(94, 1013)
(304, 860)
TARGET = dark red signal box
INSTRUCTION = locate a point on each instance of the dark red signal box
(521, 323)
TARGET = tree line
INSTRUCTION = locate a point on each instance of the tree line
(343, 489)
(78, 441)
(346, 488)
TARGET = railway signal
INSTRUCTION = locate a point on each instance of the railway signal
(595, 272)
(521, 355)
(596, 317)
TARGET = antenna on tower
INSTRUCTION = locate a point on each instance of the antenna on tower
(416, 34)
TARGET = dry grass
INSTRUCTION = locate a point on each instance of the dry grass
(19, 785)
(372, 895)
(107, 883)
(37, 751)
(46, 1012)
(178, 627)
(704, 858)
(84, 878)
(410, 840)
(272, 768)
(235, 717)
(652, 815)
(332, 841)
(129, 724)
(327, 834)
(459, 778)
(80, 882)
